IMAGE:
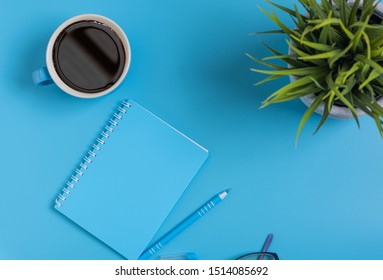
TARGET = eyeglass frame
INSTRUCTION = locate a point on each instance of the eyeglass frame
(275, 255)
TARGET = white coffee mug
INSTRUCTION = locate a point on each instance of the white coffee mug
(49, 74)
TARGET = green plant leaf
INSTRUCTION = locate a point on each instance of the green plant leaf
(373, 75)
(371, 103)
(371, 91)
(353, 12)
(325, 55)
(377, 89)
(308, 114)
(301, 53)
(344, 10)
(359, 104)
(290, 59)
(293, 71)
(369, 112)
(277, 31)
(303, 91)
(339, 55)
(378, 123)
(367, 10)
(301, 18)
(325, 115)
(320, 23)
(328, 7)
(270, 65)
(356, 116)
(289, 87)
(335, 36)
(354, 41)
(283, 8)
(306, 31)
(268, 79)
(368, 45)
(275, 18)
(315, 46)
(324, 35)
(296, 50)
(304, 3)
(358, 35)
(371, 109)
(377, 52)
(347, 103)
(331, 94)
(367, 26)
(369, 62)
(315, 9)
(356, 67)
(348, 33)
(377, 42)
(317, 83)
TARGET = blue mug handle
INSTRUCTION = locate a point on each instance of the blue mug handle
(41, 77)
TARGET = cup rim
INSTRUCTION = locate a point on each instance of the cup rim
(49, 54)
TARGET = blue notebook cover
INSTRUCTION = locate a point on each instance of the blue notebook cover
(130, 179)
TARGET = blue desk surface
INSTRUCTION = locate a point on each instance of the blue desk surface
(322, 200)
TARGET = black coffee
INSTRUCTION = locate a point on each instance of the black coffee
(89, 56)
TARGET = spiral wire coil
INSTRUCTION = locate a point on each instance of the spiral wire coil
(92, 153)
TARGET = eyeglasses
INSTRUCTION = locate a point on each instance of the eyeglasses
(266, 256)
(263, 255)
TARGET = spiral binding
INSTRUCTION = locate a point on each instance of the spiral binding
(92, 153)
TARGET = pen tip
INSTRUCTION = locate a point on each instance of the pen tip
(224, 193)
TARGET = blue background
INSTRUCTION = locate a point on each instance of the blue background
(322, 200)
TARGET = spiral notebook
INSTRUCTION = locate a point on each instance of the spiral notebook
(130, 179)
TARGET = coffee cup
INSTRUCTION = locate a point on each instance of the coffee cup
(87, 56)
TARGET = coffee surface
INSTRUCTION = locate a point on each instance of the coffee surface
(89, 56)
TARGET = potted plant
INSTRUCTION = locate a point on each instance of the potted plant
(335, 59)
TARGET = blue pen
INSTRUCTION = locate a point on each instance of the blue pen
(183, 225)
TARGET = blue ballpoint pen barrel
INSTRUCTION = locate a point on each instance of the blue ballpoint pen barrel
(181, 227)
